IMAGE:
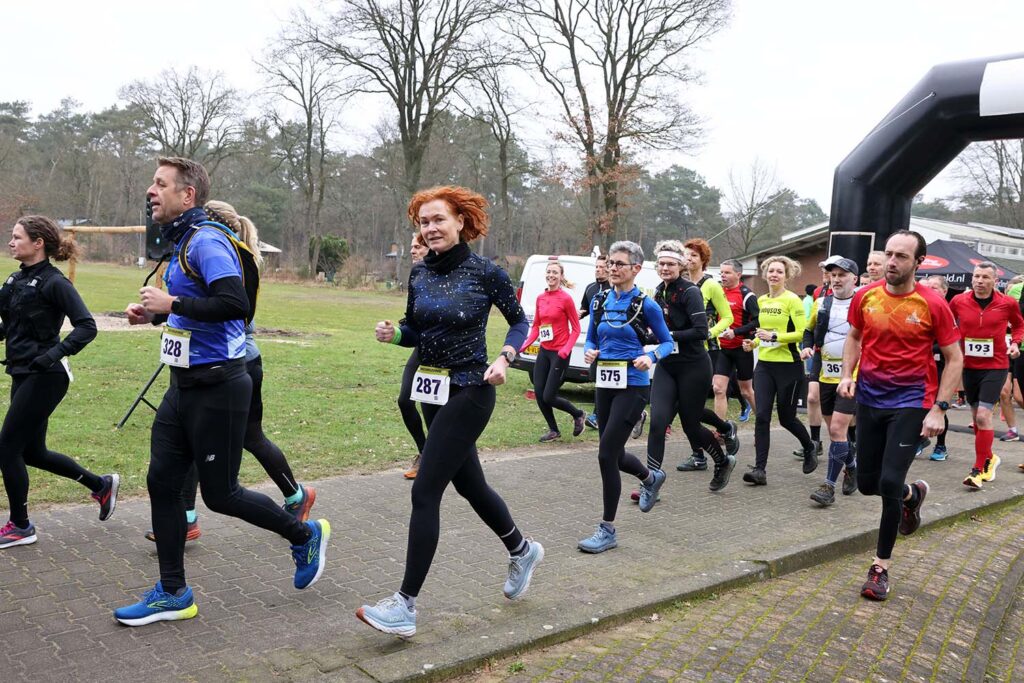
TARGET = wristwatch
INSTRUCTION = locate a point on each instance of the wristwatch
(775, 336)
(943, 405)
(509, 356)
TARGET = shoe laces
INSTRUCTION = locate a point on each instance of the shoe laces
(7, 528)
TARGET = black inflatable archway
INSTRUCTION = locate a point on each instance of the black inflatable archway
(953, 105)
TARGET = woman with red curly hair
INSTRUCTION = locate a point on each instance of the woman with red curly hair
(450, 299)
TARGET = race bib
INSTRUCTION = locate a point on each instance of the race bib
(547, 333)
(174, 347)
(979, 348)
(675, 347)
(769, 344)
(67, 369)
(831, 369)
(611, 374)
(430, 385)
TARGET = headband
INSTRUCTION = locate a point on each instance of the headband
(671, 254)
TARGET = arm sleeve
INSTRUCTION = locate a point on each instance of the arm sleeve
(67, 299)
(693, 304)
(591, 342)
(796, 316)
(808, 341)
(572, 317)
(227, 301)
(410, 336)
(534, 328)
(753, 311)
(656, 321)
(721, 305)
(503, 295)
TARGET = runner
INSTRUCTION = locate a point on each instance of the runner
(982, 315)
(449, 302)
(682, 378)
(732, 359)
(618, 327)
(893, 324)
(34, 301)
(410, 413)
(600, 284)
(779, 370)
(202, 418)
(875, 266)
(298, 499)
(939, 284)
(556, 323)
(825, 335)
(720, 318)
(813, 373)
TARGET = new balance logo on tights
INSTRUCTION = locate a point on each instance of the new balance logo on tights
(211, 457)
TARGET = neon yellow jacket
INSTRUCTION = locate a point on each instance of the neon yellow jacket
(715, 301)
(784, 315)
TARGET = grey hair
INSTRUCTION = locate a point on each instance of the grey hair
(669, 245)
(636, 254)
(734, 264)
(988, 264)
(940, 280)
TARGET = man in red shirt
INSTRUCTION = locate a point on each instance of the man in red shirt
(983, 315)
(893, 324)
(731, 356)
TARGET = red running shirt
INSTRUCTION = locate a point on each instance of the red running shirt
(986, 329)
(558, 310)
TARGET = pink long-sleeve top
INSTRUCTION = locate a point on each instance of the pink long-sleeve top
(557, 310)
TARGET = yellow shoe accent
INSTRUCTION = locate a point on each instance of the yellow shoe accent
(989, 473)
(974, 479)
(188, 612)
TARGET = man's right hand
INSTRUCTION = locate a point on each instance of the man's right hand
(137, 315)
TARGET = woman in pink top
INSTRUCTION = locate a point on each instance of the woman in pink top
(556, 323)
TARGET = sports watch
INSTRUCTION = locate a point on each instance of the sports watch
(943, 405)
(509, 356)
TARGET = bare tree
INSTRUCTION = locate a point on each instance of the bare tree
(298, 76)
(615, 67)
(189, 114)
(993, 172)
(748, 203)
(414, 52)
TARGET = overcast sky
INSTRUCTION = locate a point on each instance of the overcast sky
(793, 83)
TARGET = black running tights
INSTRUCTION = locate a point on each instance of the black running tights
(410, 415)
(617, 411)
(680, 388)
(779, 384)
(548, 375)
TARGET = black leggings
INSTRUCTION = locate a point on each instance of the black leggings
(548, 375)
(204, 426)
(34, 397)
(410, 415)
(450, 455)
(617, 411)
(886, 445)
(777, 383)
(680, 388)
(266, 452)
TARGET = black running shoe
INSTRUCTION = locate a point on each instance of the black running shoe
(810, 460)
(877, 585)
(755, 476)
(722, 473)
(849, 480)
(107, 496)
(911, 518)
(696, 462)
(638, 428)
(731, 438)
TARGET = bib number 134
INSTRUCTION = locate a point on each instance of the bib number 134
(431, 385)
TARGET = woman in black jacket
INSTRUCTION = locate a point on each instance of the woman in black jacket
(34, 301)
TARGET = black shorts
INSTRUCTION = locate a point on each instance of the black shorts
(983, 386)
(735, 359)
(832, 402)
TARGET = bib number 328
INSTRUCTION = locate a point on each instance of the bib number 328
(174, 345)
(430, 385)
(611, 374)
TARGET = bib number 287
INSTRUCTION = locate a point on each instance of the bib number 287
(430, 385)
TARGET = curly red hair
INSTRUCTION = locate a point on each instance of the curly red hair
(702, 248)
(462, 201)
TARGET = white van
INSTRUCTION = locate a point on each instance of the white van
(579, 270)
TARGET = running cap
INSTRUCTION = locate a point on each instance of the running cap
(837, 261)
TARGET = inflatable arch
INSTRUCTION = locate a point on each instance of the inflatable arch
(954, 105)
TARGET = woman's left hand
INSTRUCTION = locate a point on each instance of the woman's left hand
(642, 362)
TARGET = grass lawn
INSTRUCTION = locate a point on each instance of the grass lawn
(329, 388)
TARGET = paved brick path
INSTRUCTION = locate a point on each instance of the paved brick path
(56, 596)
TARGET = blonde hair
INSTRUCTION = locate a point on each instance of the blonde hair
(565, 283)
(669, 245)
(792, 267)
(225, 214)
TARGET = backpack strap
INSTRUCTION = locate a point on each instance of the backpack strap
(821, 326)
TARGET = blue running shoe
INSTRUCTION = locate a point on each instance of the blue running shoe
(520, 570)
(592, 420)
(924, 443)
(649, 494)
(390, 615)
(158, 605)
(603, 539)
(311, 557)
(745, 414)
(939, 454)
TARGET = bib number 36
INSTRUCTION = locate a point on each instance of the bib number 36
(431, 385)
(174, 347)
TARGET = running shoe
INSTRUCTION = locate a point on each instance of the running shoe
(989, 473)
(311, 556)
(696, 462)
(649, 494)
(911, 518)
(824, 495)
(602, 540)
(635, 496)
(731, 438)
(520, 570)
(939, 454)
(414, 468)
(592, 420)
(107, 496)
(638, 428)
(921, 445)
(755, 476)
(549, 436)
(579, 424)
(1010, 435)
(973, 480)
(390, 615)
(745, 413)
(959, 404)
(818, 449)
(12, 535)
(810, 460)
(877, 585)
(722, 473)
(849, 481)
(192, 532)
(158, 605)
(300, 510)
(1021, 467)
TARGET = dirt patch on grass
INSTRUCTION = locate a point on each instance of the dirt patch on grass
(117, 321)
